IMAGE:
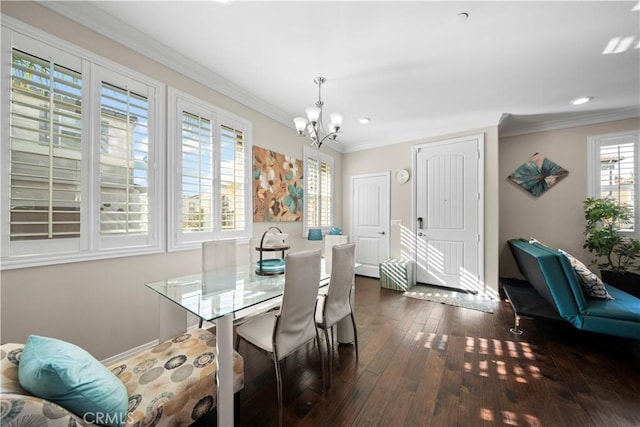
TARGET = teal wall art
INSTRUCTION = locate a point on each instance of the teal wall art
(538, 174)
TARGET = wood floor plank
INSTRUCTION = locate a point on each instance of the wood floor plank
(349, 408)
(389, 386)
(424, 401)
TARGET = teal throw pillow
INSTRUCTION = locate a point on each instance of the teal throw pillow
(65, 374)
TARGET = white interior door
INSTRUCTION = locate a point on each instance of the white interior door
(448, 185)
(370, 221)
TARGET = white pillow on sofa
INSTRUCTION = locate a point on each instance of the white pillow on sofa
(591, 283)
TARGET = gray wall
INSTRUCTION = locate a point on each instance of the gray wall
(556, 217)
(103, 306)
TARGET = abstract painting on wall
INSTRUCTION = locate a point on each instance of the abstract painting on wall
(277, 187)
(538, 174)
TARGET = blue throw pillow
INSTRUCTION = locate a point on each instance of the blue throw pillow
(69, 376)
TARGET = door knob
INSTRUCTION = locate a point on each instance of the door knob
(381, 232)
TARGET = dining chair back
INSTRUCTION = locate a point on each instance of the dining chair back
(218, 254)
(295, 325)
(336, 304)
(329, 242)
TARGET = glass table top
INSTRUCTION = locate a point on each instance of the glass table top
(213, 294)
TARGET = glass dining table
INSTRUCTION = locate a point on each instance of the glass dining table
(220, 296)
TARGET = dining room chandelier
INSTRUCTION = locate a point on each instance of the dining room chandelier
(312, 126)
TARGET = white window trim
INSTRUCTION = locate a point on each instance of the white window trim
(177, 240)
(309, 152)
(594, 143)
(87, 246)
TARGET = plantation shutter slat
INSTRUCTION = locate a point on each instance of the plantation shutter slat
(45, 149)
(124, 172)
(197, 173)
(232, 179)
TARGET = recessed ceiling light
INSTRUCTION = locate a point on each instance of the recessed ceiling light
(364, 120)
(462, 16)
(582, 100)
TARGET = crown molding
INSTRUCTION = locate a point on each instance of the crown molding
(588, 118)
(88, 15)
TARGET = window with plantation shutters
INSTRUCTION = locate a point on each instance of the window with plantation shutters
(211, 169)
(79, 154)
(614, 164)
(45, 149)
(318, 190)
(232, 179)
(124, 149)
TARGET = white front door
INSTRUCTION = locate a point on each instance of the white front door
(370, 205)
(448, 185)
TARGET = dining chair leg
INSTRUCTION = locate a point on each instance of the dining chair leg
(329, 354)
(333, 342)
(355, 333)
(322, 363)
(200, 323)
(279, 389)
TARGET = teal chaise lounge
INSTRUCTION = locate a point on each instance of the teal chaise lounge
(552, 290)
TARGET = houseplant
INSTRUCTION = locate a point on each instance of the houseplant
(615, 252)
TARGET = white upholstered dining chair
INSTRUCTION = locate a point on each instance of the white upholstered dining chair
(220, 254)
(227, 253)
(335, 305)
(283, 332)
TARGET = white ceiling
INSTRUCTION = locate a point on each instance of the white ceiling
(413, 67)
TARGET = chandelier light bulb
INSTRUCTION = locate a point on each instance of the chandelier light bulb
(313, 114)
(301, 124)
(336, 119)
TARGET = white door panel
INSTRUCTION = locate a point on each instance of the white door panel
(448, 209)
(370, 221)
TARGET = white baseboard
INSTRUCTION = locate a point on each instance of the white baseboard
(129, 353)
(133, 351)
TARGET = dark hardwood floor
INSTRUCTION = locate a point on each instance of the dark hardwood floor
(428, 364)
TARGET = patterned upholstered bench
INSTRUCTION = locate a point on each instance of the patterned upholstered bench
(397, 274)
(171, 384)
